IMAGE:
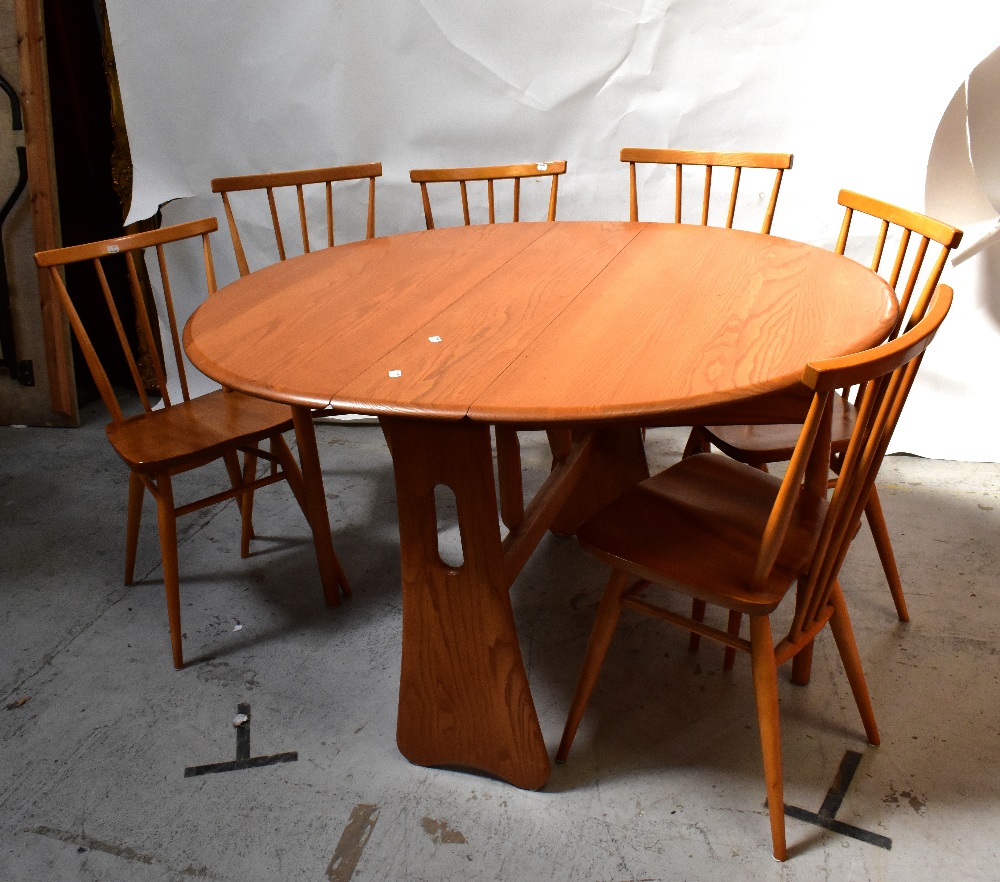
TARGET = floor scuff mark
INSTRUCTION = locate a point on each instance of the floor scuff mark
(89, 843)
(352, 843)
(441, 832)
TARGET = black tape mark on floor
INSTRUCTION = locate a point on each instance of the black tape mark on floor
(839, 827)
(243, 759)
(253, 762)
(826, 816)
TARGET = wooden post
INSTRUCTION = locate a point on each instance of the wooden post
(42, 191)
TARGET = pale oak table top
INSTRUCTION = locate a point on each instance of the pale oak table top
(539, 322)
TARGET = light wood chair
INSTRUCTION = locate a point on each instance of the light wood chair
(910, 271)
(778, 162)
(489, 174)
(508, 447)
(158, 444)
(299, 180)
(738, 538)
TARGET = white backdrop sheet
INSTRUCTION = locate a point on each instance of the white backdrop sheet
(858, 91)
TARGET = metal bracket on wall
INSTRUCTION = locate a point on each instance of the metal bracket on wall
(22, 371)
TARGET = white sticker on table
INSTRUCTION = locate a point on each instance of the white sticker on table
(395, 373)
(434, 339)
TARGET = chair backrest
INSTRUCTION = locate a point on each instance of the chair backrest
(886, 372)
(462, 176)
(777, 162)
(125, 248)
(909, 267)
(297, 179)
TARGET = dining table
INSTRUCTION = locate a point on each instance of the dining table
(594, 331)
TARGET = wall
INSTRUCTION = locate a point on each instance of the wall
(854, 89)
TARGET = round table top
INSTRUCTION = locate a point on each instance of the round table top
(576, 322)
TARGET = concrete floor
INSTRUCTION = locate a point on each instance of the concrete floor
(665, 779)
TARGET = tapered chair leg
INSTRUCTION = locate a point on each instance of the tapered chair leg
(246, 504)
(876, 522)
(735, 620)
(765, 684)
(802, 665)
(237, 478)
(167, 517)
(698, 615)
(843, 633)
(608, 612)
(697, 442)
(293, 475)
(136, 491)
(560, 442)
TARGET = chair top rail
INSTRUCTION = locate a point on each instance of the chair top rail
(133, 242)
(487, 173)
(700, 157)
(939, 231)
(300, 177)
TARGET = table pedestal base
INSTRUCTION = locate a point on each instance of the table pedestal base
(463, 691)
(464, 698)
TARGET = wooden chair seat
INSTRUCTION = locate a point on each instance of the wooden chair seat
(719, 507)
(760, 445)
(202, 428)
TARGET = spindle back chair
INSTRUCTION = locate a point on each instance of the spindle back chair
(732, 536)
(680, 159)
(489, 174)
(508, 446)
(272, 181)
(169, 437)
